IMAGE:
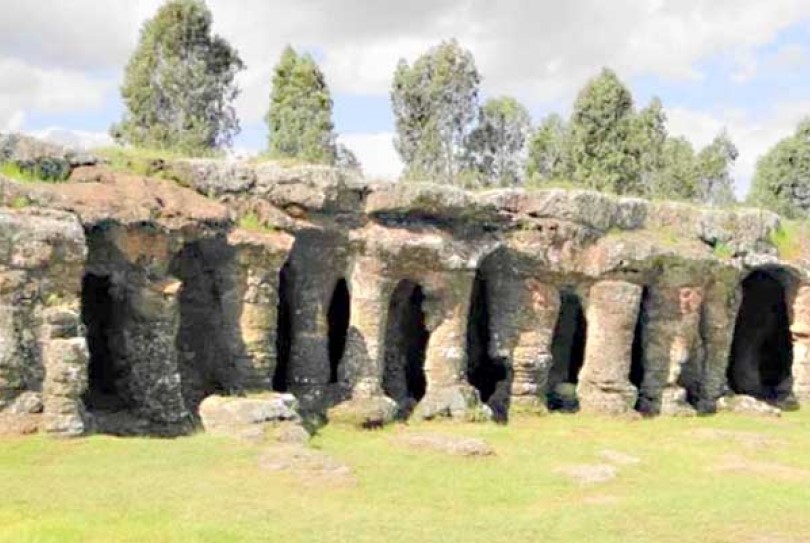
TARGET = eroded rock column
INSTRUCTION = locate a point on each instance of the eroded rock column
(673, 349)
(65, 357)
(522, 328)
(800, 334)
(720, 314)
(604, 382)
(447, 305)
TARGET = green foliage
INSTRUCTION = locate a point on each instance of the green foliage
(549, 159)
(722, 251)
(20, 202)
(43, 170)
(435, 104)
(788, 238)
(678, 176)
(253, 223)
(300, 115)
(147, 162)
(179, 85)
(714, 163)
(601, 129)
(782, 179)
(496, 144)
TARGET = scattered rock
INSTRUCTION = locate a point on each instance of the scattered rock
(27, 403)
(454, 445)
(366, 413)
(618, 457)
(736, 463)
(590, 473)
(308, 463)
(747, 405)
(747, 439)
(248, 417)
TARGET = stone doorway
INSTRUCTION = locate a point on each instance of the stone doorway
(107, 380)
(406, 339)
(762, 351)
(487, 374)
(568, 352)
(338, 318)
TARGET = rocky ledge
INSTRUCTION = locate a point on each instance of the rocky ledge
(125, 301)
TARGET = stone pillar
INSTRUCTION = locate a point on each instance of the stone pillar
(800, 334)
(149, 335)
(447, 306)
(719, 318)
(363, 359)
(252, 305)
(65, 357)
(604, 382)
(309, 352)
(523, 315)
(673, 349)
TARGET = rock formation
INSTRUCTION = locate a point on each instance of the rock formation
(125, 301)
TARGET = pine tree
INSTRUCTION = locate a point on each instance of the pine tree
(179, 85)
(782, 178)
(496, 146)
(601, 125)
(300, 115)
(435, 105)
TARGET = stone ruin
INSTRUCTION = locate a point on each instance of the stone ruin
(126, 301)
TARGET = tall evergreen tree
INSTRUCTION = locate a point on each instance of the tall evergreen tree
(678, 176)
(300, 115)
(648, 134)
(435, 105)
(496, 146)
(715, 162)
(179, 85)
(782, 178)
(549, 152)
(601, 125)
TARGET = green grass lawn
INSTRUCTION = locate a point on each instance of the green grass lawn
(717, 479)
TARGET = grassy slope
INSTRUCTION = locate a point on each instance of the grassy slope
(203, 488)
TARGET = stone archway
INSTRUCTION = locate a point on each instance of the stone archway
(406, 339)
(568, 352)
(338, 317)
(762, 351)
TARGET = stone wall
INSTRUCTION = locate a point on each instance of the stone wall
(122, 318)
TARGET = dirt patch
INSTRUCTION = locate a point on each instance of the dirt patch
(752, 440)
(588, 474)
(733, 463)
(311, 465)
(454, 445)
(618, 458)
(601, 499)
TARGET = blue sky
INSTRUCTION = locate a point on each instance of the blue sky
(742, 65)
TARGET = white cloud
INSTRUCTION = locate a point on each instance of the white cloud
(753, 134)
(73, 139)
(25, 87)
(376, 154)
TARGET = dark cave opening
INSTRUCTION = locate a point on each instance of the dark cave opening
(568, 352)
(406, 339)
(104, 389)
(484, 372)
(637, 354)
(283, 330)
(338, 317)
(761, 351)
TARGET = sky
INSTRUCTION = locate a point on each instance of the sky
(742, 65)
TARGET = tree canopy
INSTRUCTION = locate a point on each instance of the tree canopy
(435, 105)
(179, 85)
(496, 145)
(300, 115)
(782, 177)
